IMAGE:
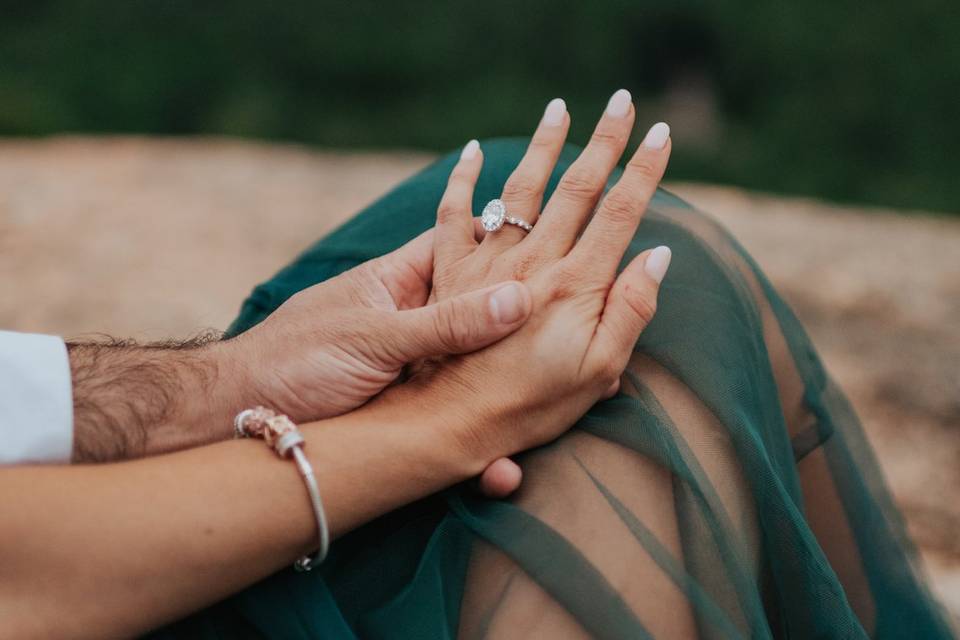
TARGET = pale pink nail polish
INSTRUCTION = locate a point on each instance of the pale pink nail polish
(470, 150)
(657, 136)
(657, 263)
(619, 104)
(554, 113)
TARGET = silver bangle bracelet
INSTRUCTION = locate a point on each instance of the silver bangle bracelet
(282, 435)
(306, 563)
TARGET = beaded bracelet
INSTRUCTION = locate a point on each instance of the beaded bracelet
(282, 435)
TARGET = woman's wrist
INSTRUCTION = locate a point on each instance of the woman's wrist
(446, 423)
(397, 449)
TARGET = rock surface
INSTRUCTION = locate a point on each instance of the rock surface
(158, 238)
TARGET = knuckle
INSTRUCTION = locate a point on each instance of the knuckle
(524, 265)
(565, 282)
(458, 177)
(444, 280)
(447, 211)
(644, 169)
(521, 187)
(620, 206)
(641, 302)
(542, 142)
(605, 138)
(581, 185)
(447, 327)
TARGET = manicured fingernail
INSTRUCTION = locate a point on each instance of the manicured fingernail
(470, 150)
(553, 114)
(619, 104)
(657, 263)
(657, 137)
(507, 304)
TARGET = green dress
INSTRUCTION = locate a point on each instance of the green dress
(727, 491)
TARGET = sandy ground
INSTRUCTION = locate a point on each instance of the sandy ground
(160, 238)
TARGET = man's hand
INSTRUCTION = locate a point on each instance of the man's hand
(333, 346)
(326, 351)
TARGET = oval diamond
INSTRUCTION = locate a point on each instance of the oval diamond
(493, 215)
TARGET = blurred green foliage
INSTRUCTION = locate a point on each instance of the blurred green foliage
(841, 99)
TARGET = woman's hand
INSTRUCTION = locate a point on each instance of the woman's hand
(530, 387)
(332, 347)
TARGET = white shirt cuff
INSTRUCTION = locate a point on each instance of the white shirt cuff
(36, 399)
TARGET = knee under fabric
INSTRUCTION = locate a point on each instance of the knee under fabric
(727, 491)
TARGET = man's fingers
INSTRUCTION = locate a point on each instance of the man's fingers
(454, 233)
(605, 239)
(501, 478)
(393, 270)
(479, 233)
(461, 324)
(630, 306)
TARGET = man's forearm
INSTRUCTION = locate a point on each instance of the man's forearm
(133, 400)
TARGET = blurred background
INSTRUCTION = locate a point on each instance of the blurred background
(851, 101)
(159, 158)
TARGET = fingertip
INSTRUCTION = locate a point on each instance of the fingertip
(620, 104)
(657, 263)
(612, 389)
(555, 114)
(501, 478)
(657, 136)
(470, 150)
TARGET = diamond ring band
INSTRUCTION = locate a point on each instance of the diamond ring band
(494, 216)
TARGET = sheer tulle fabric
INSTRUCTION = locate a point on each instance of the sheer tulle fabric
(727, 491)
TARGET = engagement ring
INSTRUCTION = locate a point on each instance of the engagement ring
(494, 216)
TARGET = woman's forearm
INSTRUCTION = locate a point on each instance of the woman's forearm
(118, 549)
